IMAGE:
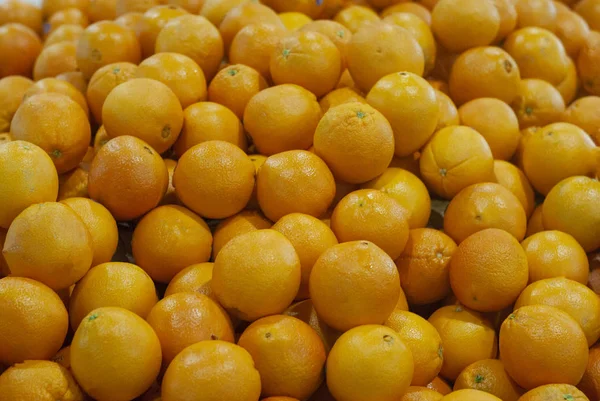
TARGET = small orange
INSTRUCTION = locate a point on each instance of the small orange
(308, 59)
(135, 6)
(214, 179)
(12, 90)
(30, 310)
(582, 114)
(253, 46)
(369, 362)
(463, 24)
(195, 278)
(115, 354)
(104, 80)
(336, 32)
(56, 59)
(21, 47)
(241, 223)
(587, 63)
(354, 17)
(64, 33)
(526, 355)
(590, 383)
(104, 43)
(537, 13)
(289, 355)
(535, 224)
(68, 16)
(512, 178)
(151, 24)
(448, 112)
(15, 11)
(340, 96)
(418, 393)
(234, 86)
(538, 103)
(53, 85)
(470, 395)
(154, 113)
(552, 392)
(127, 177)
(456, 157)
(212, 370)
(571, 29)
(267, 260)
(467, 337)
(246, 13)
(186, 318)
(488, 375)
(130, 20)
(416, 9)
(345, 293)
(100, 10)
(484, 72)
(588, 9)
(282, 118)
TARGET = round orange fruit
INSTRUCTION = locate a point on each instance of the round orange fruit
(240, 223)
(21, 46)
(489, 375)
(582, 114)
(512, 178)
(553, 392)
(195, 278)
(55, 85)
(104, 80)
(151, 24)
(12, 90)
(537, 103)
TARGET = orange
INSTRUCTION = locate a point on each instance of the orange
(582, 113)
(127, 177)
(423, 266)
(68, 16)
(369, 362)
(282, 118)
(64, 33)
(207, 121)
(288, 353)
(340, 96)
(192, 6)
(379, 49)
(154, 113)
(310, 238)
(556, 152)
(336, 32)
(129, 20)
(256, 274)
(354, 17)
(253, 45)
(512, 178)
(170, 197)
(115, 284)
(30, 312)
(409, 8)
(54, 85)
(74, 183)
(470, 395)
(448, 112)
(508, 18)
(39, 380)
(526, 355)
(115, 354)
(183, 319)
(417, 393)
(215, 10)
(590, 383)
(588, 9)
(101, 226)
(467, 337)
(456, 157)
(580, 302)
(103, 82)
(293, 21)
(151, 24)
(308, 59)
(488, 375)
(538, 103)
(463, 24)
(555, 254)
(440, 386)
(535, 224)
(496, 122)
(100, 10)
(538, 13)
(241, 223)
(482, 206)
(234, 86)
(168, 239)
(212, 371)
(423, 341)
(135, 6)
(215, 179)
(305, 311)
(194, 278)
(371, 215)
(571, 29)
(570, 86)
(21, 47)
(15, 11)
(345, 293)
(49, 7)
(56, 59)
(587, 63)
(553, 392)
(296, 181)
(12, 90)
(17, 160)
(484, 72)
(180, 73)
(246, 13)
(104, 43)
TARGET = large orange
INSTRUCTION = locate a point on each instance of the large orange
(246, 13)
(527, 357)
(489, 375)
(103, 82)
(241, 223)
(467, 337)
(369, 362)
(12, 90)
(512, 178)
(256, 274)
(552, 392)
(151, 24)
(17, 160)
(590, 383)
(538, 103)
(34, 321)
(20, 12)
(254, 44)
(346, 294)
(127, 177)
(21, 47)
(117, 284)
(289, 355)
(55, 59)
(582, 113)
(54, 85)
(169, 239)
(214, 179)
(194, 278)
(115, 354)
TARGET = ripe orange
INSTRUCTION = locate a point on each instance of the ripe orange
(15, 11)
(241, 223)
(54, 85)
(214, 179)
(338, 97)
(369, 362)
(305, 311)
(234, 86)
(554, 392)
(293, 20)
(421, 32)
(456, 157)
(571, 28)
(282, 118)
(538, 103)
(571, 207)
(582, 114)
(416, 9)
(570, 86)
(195, 278)
(588, 9)
(104, 43)
(537, 13)
(103, 82)
(345, 294)
(590, 383)
(253, 46)
(512, 178)
(115, 354)
(354, 16)
(67, 16)
(56, 59)
(76, 79)
(64, 33)
(211, 371)
(336, 32)
(30, 310)
(12, 90)
(587, 63)
(151, 24)
(488, 375)
(21, 47)
(127, 177)
(256, 274)
(100, 10)
(129, 20)
(49, 7)
(245, 14)
(526, 355)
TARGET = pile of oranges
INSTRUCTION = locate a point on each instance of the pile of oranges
(300, 200)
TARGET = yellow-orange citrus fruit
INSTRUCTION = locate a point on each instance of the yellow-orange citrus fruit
(512, 178)
(241, 223)
(554, 392)
(537, 103)
(489, 375)
(194, 278)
